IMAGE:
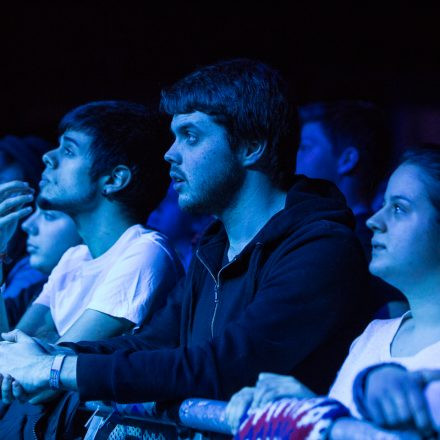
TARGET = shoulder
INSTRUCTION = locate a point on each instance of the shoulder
(376, 333)
(149, 247)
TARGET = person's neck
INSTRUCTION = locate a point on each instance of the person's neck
(102, 228)
(356, 200)
(254, 204)
(424, 304)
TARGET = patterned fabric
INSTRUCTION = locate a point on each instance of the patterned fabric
(293, 419)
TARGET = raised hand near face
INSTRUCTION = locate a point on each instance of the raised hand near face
(14, 196)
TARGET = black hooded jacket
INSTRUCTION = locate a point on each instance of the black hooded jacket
(291, 302)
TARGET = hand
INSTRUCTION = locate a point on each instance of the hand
(352, 429)
(238, 407)
(13, 196)
(269, 387)
(395, 398)
(272, 387)
(22, 358)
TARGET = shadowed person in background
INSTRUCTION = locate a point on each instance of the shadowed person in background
(348, 143)
(50, 234)
(20, 159)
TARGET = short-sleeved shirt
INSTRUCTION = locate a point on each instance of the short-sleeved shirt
(127, 281)
(374, 347)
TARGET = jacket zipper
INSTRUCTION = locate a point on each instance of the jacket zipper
(216, 288)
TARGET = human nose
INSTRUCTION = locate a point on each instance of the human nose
(376, 222)
(173, 155)
(30, 225)
(49, 159)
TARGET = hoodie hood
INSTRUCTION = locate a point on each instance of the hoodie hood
(308, 200)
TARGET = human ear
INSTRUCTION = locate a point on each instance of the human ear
(348, 160)
(119, 178)
(252, 152)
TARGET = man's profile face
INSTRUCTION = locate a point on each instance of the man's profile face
(206, 173)
(316, 157)
(66, 184)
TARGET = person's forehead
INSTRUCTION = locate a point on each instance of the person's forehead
(313, 130)
(78, 138)
(409, 181)
(197, 119)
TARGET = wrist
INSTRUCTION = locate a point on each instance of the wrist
(43, 367)
(68, 373)
(360, 385)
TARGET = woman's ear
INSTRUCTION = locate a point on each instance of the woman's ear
(119, 178)
(252, 152)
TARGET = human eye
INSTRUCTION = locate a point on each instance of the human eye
(191, 138)
(67, 150)
(397, 208)
(49, 216)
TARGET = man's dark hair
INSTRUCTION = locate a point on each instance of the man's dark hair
(252, 102)
(357, 124)
(125, 133)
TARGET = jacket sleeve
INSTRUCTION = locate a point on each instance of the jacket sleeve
(302, 298)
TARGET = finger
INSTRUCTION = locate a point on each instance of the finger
(7, 389)
(17, 336)
(260, 391)
(10, 336)
(402, 409)
(14, 203)
(238, 406)
(14, 185)
(374, 409)
(18, 392)
(417, 403)
(429, 375)
(15, 191)
(15, 216)
(389, 411)
(270, 376)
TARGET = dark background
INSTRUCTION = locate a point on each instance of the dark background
(56, 55)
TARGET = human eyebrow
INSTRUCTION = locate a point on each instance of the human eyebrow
(69, 139)
(400, 198)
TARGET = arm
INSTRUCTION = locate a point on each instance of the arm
(308, 291)
(391, 396)
(93, 325)
(161, 331)
(37, 321)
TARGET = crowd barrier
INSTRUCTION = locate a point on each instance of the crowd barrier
(193, 419)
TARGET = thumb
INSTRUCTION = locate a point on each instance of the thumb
(430, 375)
(16, 336)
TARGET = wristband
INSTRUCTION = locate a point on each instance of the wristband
(55, 370)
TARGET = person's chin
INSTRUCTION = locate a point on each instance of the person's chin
(375, 268)
(44, 202)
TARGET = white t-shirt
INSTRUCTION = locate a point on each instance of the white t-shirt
(372, 347)
(123, 282)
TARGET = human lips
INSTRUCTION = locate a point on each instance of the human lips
(31, 248)
(176, 175)
(377, 246)
(178, 178)
(44, 180)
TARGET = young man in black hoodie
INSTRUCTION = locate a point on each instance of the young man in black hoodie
(277, 283)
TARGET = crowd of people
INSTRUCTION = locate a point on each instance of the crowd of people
(243, 281)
